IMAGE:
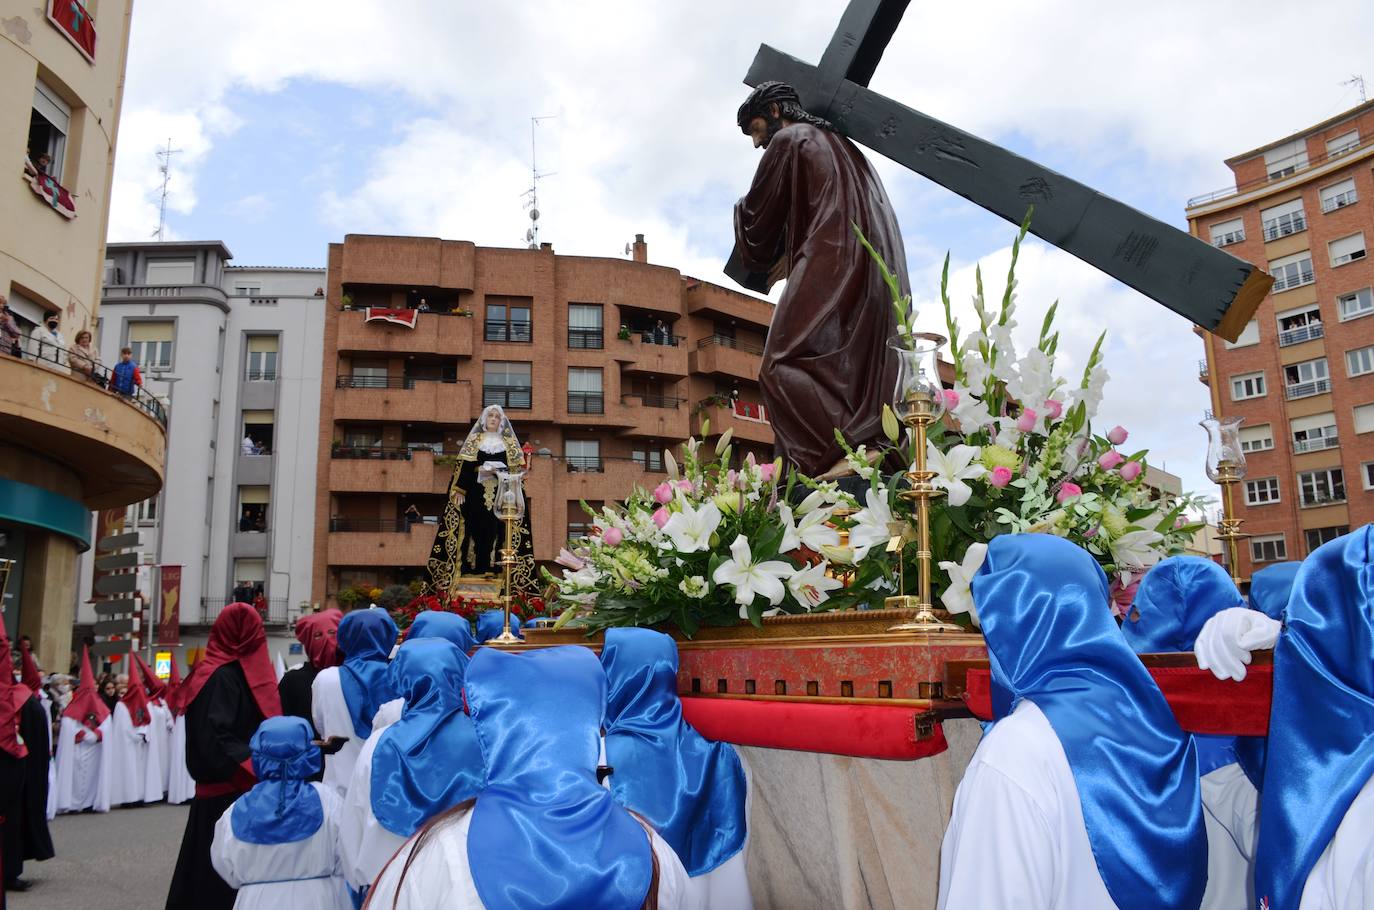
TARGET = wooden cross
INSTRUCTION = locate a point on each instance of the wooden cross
(1209, 287)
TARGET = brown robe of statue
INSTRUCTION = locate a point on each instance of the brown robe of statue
(827, 363)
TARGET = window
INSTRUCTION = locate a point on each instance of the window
(1367, 471)
(152, 344)
(1317, 536)
(251, 572)
(1282, 160)
(1364, 418)
(1347, 249)
(144, 513)
(1299, 325)
(1354, 305)
(1339, 195)
(1282, 220)
(112, 273)
(584, 325)
(253, 505)
(1226, 233)
(170, 271)
(258, 429)
(582, 454)
(247, 290)
(648, 459)
(508, 319)
(1247, 385)
(584, 391)
(1342, 143)
(366, 376)
(50, 122)
(1248, 336)
(1261, 491)
(506, 383)
(1292, 271)
(1270, 548)
(1323, 487)
(1360, 361)
(1311, 434)
(262, 358)
(1307, 378)
(1256, 439)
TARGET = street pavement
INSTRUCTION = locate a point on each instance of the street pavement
(119, 860)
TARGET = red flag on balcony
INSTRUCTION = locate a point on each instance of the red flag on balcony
(399, 317)
(53, 193)
(74, 21)
(749, 410)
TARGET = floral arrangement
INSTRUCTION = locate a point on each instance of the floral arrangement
(468, 608)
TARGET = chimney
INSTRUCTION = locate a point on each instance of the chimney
(546, 246)
(641, 249)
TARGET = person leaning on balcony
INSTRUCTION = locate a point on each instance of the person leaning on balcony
(82, 357)
(48, 345)
(9, 330)
(125, 377)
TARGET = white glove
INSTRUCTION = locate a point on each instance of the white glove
(1226, 640)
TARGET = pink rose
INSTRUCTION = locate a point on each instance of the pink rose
(951, 399)
(663, 493)
(660, 517)
(612, 537)
(1110, 459)
(685, 486)
(1117, 435)
(1001, 476)
(1026, 422)
(1068, 490)
(1130, 471)
(1054, 408)
(766, 471)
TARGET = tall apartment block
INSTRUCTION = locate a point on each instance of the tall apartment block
(235, 353)
(67, 446)
(1302, 372)
(600, 364)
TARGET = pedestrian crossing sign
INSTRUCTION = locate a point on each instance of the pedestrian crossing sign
(162, 664)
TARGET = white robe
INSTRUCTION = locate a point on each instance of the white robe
(160, 733)
(440, 876)
(329, 710)
(181, 786)
(1230, 811)
(81, 768)
(364, 845)
(1016, 837)
(1343, 876)
(303, 875)
(133, 773)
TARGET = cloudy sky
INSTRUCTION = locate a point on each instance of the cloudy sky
(299, 121)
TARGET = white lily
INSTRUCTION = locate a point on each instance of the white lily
(812, 532)
(690, 529)
(952, 468)
(814, 500)
(958, 597)
(811, 585)
(872, 525)
(1137, 549)
(751, 579)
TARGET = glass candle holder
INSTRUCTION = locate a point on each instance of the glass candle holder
(509, 501)
(918, 394)
(1225, 459)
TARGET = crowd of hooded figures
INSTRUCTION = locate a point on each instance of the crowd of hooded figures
(434, 773)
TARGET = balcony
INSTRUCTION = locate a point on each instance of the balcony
(375, 469)
(1244, 187)
(276, 614)
(597, 478)
(1309, 332)
(723, 417)
(1316, 444)
(381, 548)
(656, 416)
(658, 358)
(248, 544)
(713, 300)
(434, 333)
(365, 398)
(164, 293)
(1203, 372)
(727, 357)
(254, 470)
(1307, 389)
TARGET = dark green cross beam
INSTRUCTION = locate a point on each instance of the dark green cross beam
(1205, 285)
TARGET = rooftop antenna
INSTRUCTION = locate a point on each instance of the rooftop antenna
(164, 157)
(532, 194)
(1358, 82)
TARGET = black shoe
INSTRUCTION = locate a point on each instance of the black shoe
(18, 885)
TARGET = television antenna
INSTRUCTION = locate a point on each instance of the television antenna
(1358, 82)
(532, 194)
(164, 157)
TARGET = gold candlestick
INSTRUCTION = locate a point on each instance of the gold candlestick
(509, 502)
(1226, 467)
(1228, 529)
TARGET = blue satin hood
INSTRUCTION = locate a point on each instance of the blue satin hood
(1271, 587)
(692, 791)
(437, 624)
(1043, 605)
(283, 807)
(544, 833)
(490, 623)
(1174, 600)
(366, 638)
(1321, 725)
(428, 761)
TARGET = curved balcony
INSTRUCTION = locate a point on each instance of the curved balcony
(373, 469)
(727, 357)
(656, 416)
(636, 355)
(723, 418)
(713, 300)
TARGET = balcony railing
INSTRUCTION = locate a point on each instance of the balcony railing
(502, 331)
(373, 382)
(578, 529)
(649, 336)
(210, 607)
(1308, 389)
(373, 525)
(1312, 162)
(1295, 277)
(1315, 444)
(1202, 370)
(584, 463)
(262, 375)
(586, 403)
(52, 357)
(369, 452)
(1300, 334)
(588, 339)
(725, 341)
(653, 401)
(510, 397)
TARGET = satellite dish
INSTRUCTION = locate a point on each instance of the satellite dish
(534, 214)
(529, 235)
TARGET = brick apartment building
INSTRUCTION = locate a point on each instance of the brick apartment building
(601, 364)
(1302, 372)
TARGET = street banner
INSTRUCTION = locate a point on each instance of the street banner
(169, 607)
